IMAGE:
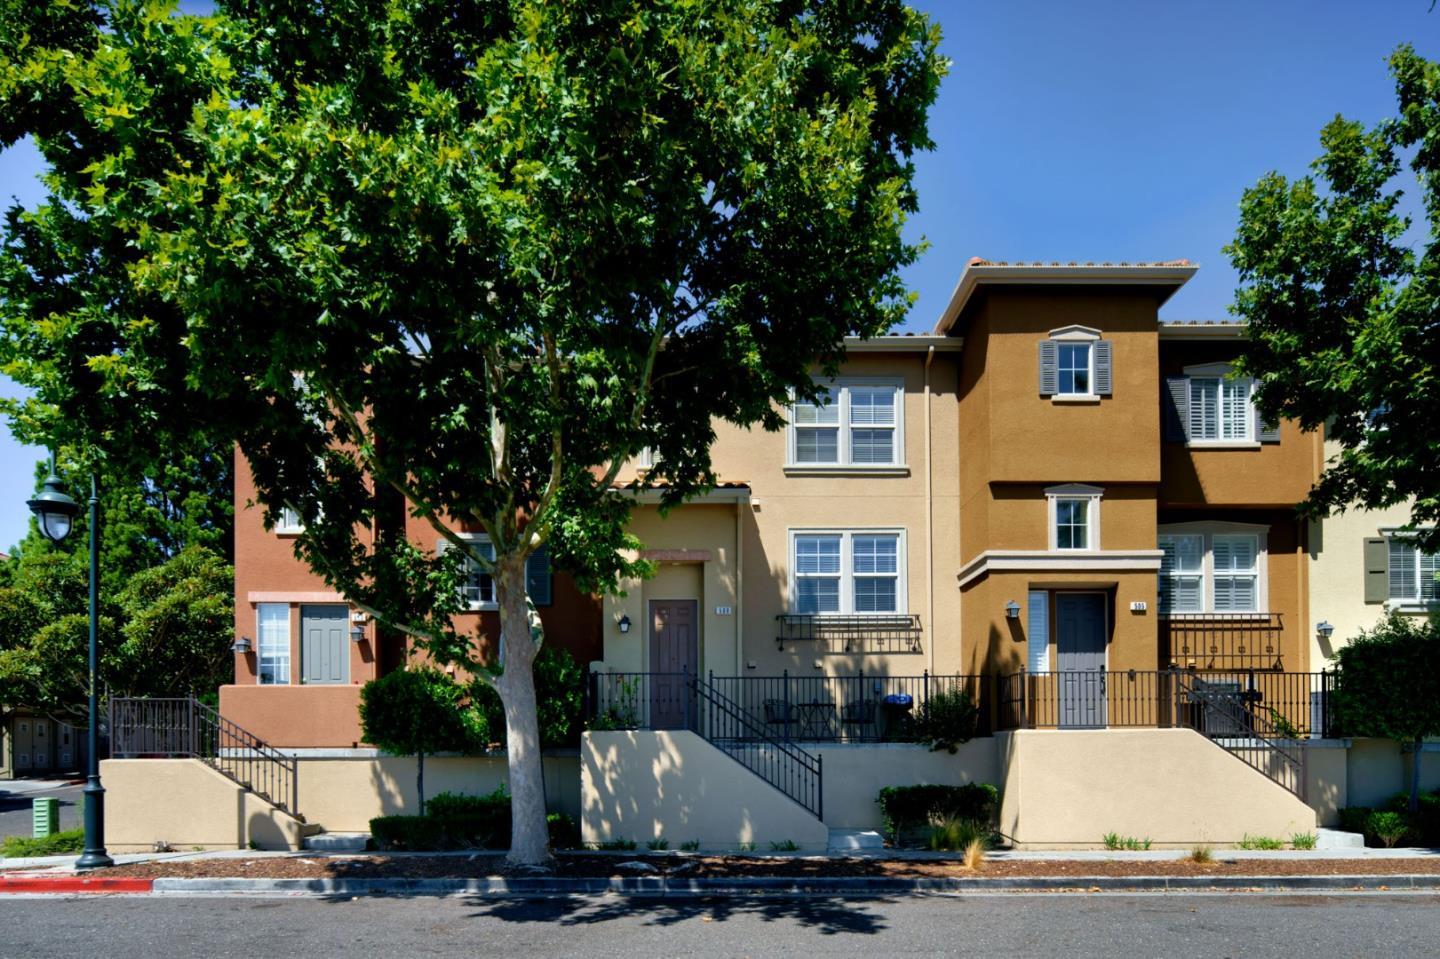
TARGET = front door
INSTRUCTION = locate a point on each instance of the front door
(674, 649)
(324, 644)
(1080, 645)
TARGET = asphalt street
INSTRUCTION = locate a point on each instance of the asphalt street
(15, 807)
(1068, 926)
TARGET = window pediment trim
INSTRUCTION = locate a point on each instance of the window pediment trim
(1075, 332)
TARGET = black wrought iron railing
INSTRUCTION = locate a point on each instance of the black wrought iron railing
(790, 769)
(874, 633)
(1226, 641)
(189, 729)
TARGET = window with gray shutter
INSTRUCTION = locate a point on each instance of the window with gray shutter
(538, 579)
(1102, 368)
(1377, 570)
(1175, 409)
(1266, 432)
(1049, 368)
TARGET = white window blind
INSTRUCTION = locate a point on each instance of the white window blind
(855, 424)
(1235, 560)
(273, 643)
(848, 572)
(1038, 636)
(1220, 409)
(1412, 573)
(1182, 576)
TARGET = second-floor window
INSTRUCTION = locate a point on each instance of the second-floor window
(477, 589)
(289, 522)
(1412, 573)
(855, 424)
(1208, 406)
(838, 572)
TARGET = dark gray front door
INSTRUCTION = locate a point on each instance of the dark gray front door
(674, 648)
(1080, 643)
(324, 644)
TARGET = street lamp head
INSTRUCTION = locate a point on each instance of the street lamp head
(54, 511)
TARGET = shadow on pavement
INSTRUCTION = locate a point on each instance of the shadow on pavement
(828, 916)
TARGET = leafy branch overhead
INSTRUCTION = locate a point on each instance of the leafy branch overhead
(1342, 295)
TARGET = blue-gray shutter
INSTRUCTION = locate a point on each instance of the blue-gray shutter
(1377, 569)
(1049, 368)
(1266, 432)
(538, 581)
(1175, 409)
(1102, 368)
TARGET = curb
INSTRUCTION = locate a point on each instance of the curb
(661, 888)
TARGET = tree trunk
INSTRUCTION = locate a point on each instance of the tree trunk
(1415, 774)
(529, 836)
(420, 780)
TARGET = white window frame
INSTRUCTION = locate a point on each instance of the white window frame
(1074, 491)
(492, 604)
(289, 522)
(1208, 531)
(1221, 372)
(1407, 603)
(289, 644)
(844, 459)
(847, 569)
(1075, 335)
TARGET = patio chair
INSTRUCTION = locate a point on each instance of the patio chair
(780, 713)
(858, 719)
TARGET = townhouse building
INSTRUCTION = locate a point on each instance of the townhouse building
(1053, 502)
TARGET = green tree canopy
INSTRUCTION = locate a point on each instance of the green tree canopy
(1343, 302)
(420, 710)
(457, 259)
(1389, 686)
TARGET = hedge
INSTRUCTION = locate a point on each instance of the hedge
(906, 809)
(1421, 828)
(455, 821)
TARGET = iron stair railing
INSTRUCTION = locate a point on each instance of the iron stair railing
(1225, 719)
(723, 723)
(189, 729)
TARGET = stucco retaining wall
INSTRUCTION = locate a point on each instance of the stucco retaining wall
(643, 785)
(1172, 786)
(855, 774)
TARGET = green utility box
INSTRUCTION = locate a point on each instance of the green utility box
(47, 817)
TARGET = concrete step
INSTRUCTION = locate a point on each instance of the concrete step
(338, 841)
(855, 840)
(1335, 839)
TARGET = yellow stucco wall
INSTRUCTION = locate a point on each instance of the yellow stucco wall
(642, 785)
(855, 774)
(1171, 786)
(1337, 575)
(186, 804)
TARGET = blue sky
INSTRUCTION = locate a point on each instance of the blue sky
(1087, 131)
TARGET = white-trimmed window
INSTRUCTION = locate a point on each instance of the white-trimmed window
(289, 523)
(1074, 517)
(1212, 568)
(272, 653)
(1412, 573)
(1075, 364)
(477, 589)
(858, 424)
(847, 572)
(1220, 410)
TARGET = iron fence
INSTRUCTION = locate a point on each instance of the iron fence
(1223, 641)
(889, 633)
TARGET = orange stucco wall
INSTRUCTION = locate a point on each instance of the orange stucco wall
(295, 717)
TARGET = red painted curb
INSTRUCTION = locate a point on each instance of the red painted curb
(69, 885)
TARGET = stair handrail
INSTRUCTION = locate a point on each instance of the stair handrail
(801, 775)
(1260, 736)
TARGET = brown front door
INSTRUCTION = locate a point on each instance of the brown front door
(674, 650)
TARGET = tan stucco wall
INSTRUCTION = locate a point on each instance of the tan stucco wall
(1378, 770)
(343, 795)
(186, 804)
(855, 774)
(1171, 786)
(674, 785)
(1337, 575)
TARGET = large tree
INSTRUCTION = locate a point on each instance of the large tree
(1342, 298)
(464, 259)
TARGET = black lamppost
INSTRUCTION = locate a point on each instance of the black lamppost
(56, 512)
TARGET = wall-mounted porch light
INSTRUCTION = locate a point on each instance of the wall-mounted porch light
(241, 645)
(624, 624)
(1325, 629)
(357, 633)
(1012, 610)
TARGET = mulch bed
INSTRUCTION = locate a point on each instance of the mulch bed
(580, 865)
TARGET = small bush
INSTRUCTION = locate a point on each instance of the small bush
(564, 833)
(1114, 841)
(658, 845)
(1303, 840)
(55, 844)
(1393, 827)
(1201, 855)
(946, 720)
(690, 845)
(956, 835)
(1260, 842)
(909, 810)
(1389, 827)
(451, 821)
(784, 845)
(616, 845)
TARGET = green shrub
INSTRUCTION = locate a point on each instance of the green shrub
(1260, 842)
(946, 719)
(785, 845)
(690, 845)
(956, 835)
(1303, 840)
(1393, 826)
(559, 699)
(1114, 841)
(564, 833)
(658, 845)
(1389, 827)
(616, 845)
(420, 711)
(55, 844)
(450, 805)
(452, 821)
(907, 810)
